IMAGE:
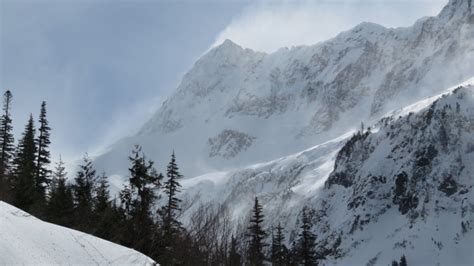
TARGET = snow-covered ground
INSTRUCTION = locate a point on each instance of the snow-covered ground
(26, 240)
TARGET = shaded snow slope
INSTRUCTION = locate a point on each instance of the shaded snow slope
(25, 239)
(236, 107)
(403, 187)
(282, 185)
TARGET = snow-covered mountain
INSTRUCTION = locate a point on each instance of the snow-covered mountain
(406, 189)
(236, 106)
(405, 186)
(26, 240)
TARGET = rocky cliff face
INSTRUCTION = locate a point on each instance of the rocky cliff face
(404, 186)
(407, 186)
(295, 98)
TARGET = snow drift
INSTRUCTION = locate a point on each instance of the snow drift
(25, 239)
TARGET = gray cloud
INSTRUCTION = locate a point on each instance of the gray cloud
(102, 66)
(269, 25)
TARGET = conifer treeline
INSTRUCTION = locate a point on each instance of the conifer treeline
(145, 213)
(24, 174)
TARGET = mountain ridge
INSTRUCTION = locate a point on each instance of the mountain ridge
(382, 193)
(301, 96)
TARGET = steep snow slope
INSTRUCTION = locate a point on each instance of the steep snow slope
(25, 239)
(237, 107)
(403, 187)
(281, 184)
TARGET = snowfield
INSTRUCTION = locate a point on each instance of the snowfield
(26, 240)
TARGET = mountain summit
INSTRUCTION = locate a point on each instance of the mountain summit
(236, 106)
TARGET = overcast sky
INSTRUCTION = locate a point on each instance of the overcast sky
(105, 66)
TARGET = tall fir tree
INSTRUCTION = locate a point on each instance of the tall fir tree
(23, 181)
(144, 180)
(105, 212)
(256, 235)
(403, 261)
(58, 174)
(60, 205)
(6, 138)
(306, 242)
(279, 250)
(139, 197)
(171, 227)
(83, 190)
(43, 157)
(102, 195)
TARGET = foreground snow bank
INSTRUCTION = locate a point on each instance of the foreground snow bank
(25, 239)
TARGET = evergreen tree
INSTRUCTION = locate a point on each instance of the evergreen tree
(144, 180)
(83, 190)
(171, 188)
(171, 227)
(43, 157)
(23, 181)
(58, 174)
(102, 195)
(6, 138)
(279, 250)
(234, 259)
(105, 212)
(60, 205)
(307, 240)
(138, 199)
(117, 229)
(256, 235)
(403, 261)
